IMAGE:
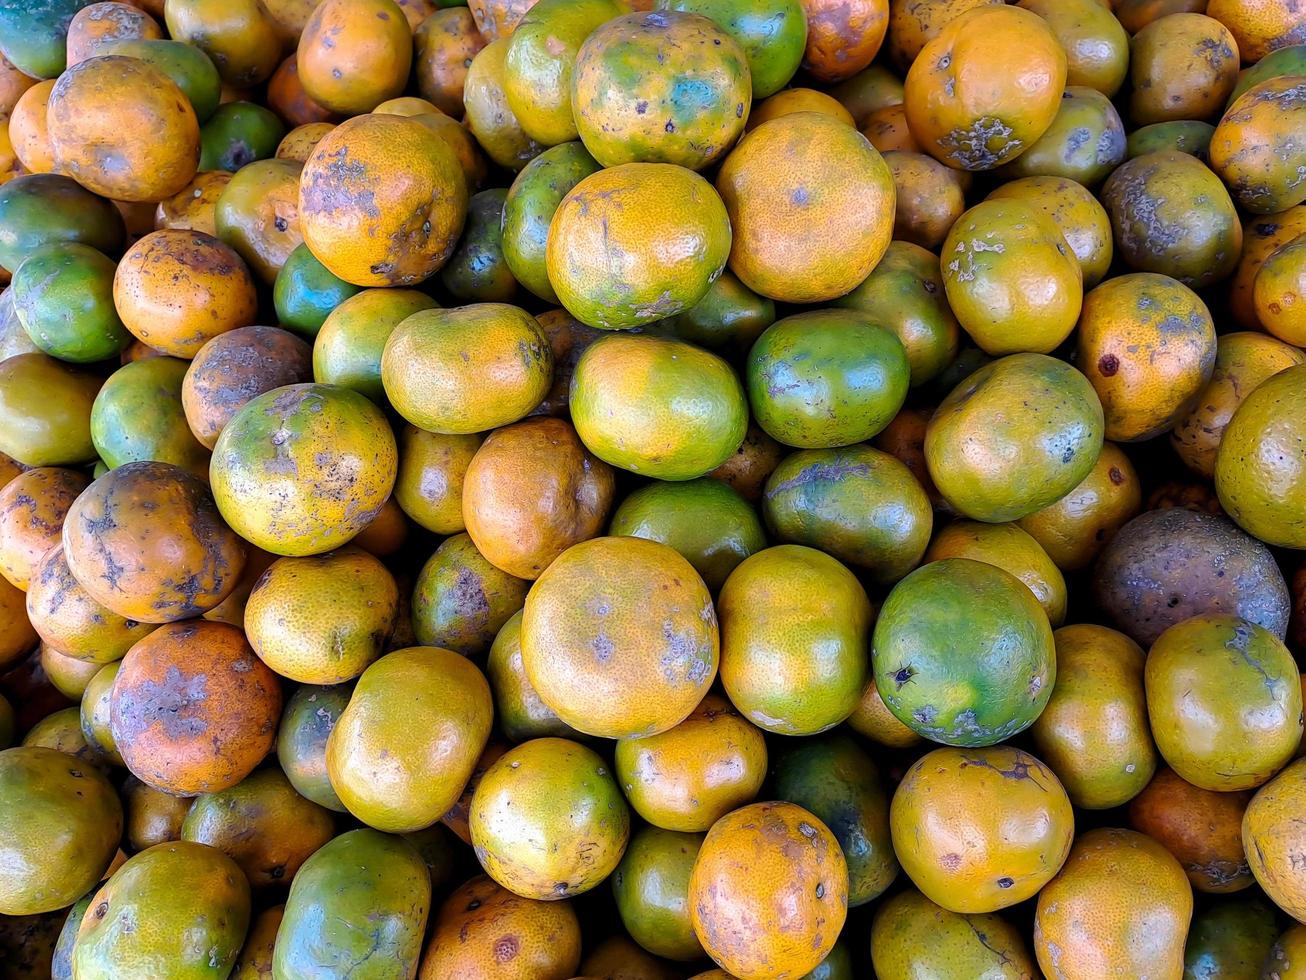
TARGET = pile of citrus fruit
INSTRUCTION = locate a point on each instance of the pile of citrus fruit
(650, 489)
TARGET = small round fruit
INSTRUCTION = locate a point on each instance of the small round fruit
(354, 54)
(660, 87)
(963, 653)
(978, 830)
(826, 378)
(59, 828)
(63, 298)
(1017, 435)
(772, 34)
(768, 895)
(1098, 700)
(651, 888)
(123, 129)
(300, 470)
(1202, 828)
(548, 821)
(467, 369)
(306, 723)
(382, 199)
(657, 407)
(1259, 468)
(432, 471)
(401, 752)
(34, 506)
(1225, 701)
(969, 106)
(1272, 834)
(146, 541)
(911, 934)
(688, 777)
(138, 415)
(299, 637)
(636, 243)
(812, 171)
(193, 709)
(619, 637)
(460, 601)
(1089, 915)
(794, 622)
(45, 411)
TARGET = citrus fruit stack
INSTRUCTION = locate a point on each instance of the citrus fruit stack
(648, 489)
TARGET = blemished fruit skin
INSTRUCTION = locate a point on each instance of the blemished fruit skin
(359, 905)
(60, 824)
(911, 934)
(1272, 835)
(178, 909)
(963, 653)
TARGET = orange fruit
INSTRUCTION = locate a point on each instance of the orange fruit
(382, 200)
(843, 37)
(619, 637)
(354, 54)
(1260, 26)
(812, 171)
(968, 104)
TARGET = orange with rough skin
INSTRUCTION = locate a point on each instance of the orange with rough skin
(262, 824)
(68, 619)
(239, 36)
(468, 369)
(444, 46)
(193, 709)
(1183, 67)
(531, 492)
(887, 130)
(102, 23)
(1011, 278)
(1013, 550)
(1261, 26)
(1274, 836)
(978, 830)
(287, 98)
(688, 777)
(768, 895)
(1147, 344)
(619, 637)
(123, 129)
(1097, 46)
(1075, 529)
(407, 742)
(1097, 701)
(28, 131)
(497, 19)
(432, 472)
(354, 54)
(482, 929)
(18, 636)
(1200, 827)
(33, 508)
(792, 100)
(322, 619)
(176, 290)
(914, 23)
(874, 720)
(1262, 236)
(635, 243)
(548, 820)
(382, 201)
(843, 37)
(488, 115)
(930, 197)
(1242, 361)
(146, 541)
(968, 104)
(13, 83)
(1120, 907)
(1255, 149)
(298, 144)
(194, 206)
(1280, 292)
(1078, 215)
(806, 170)
(257, 214)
